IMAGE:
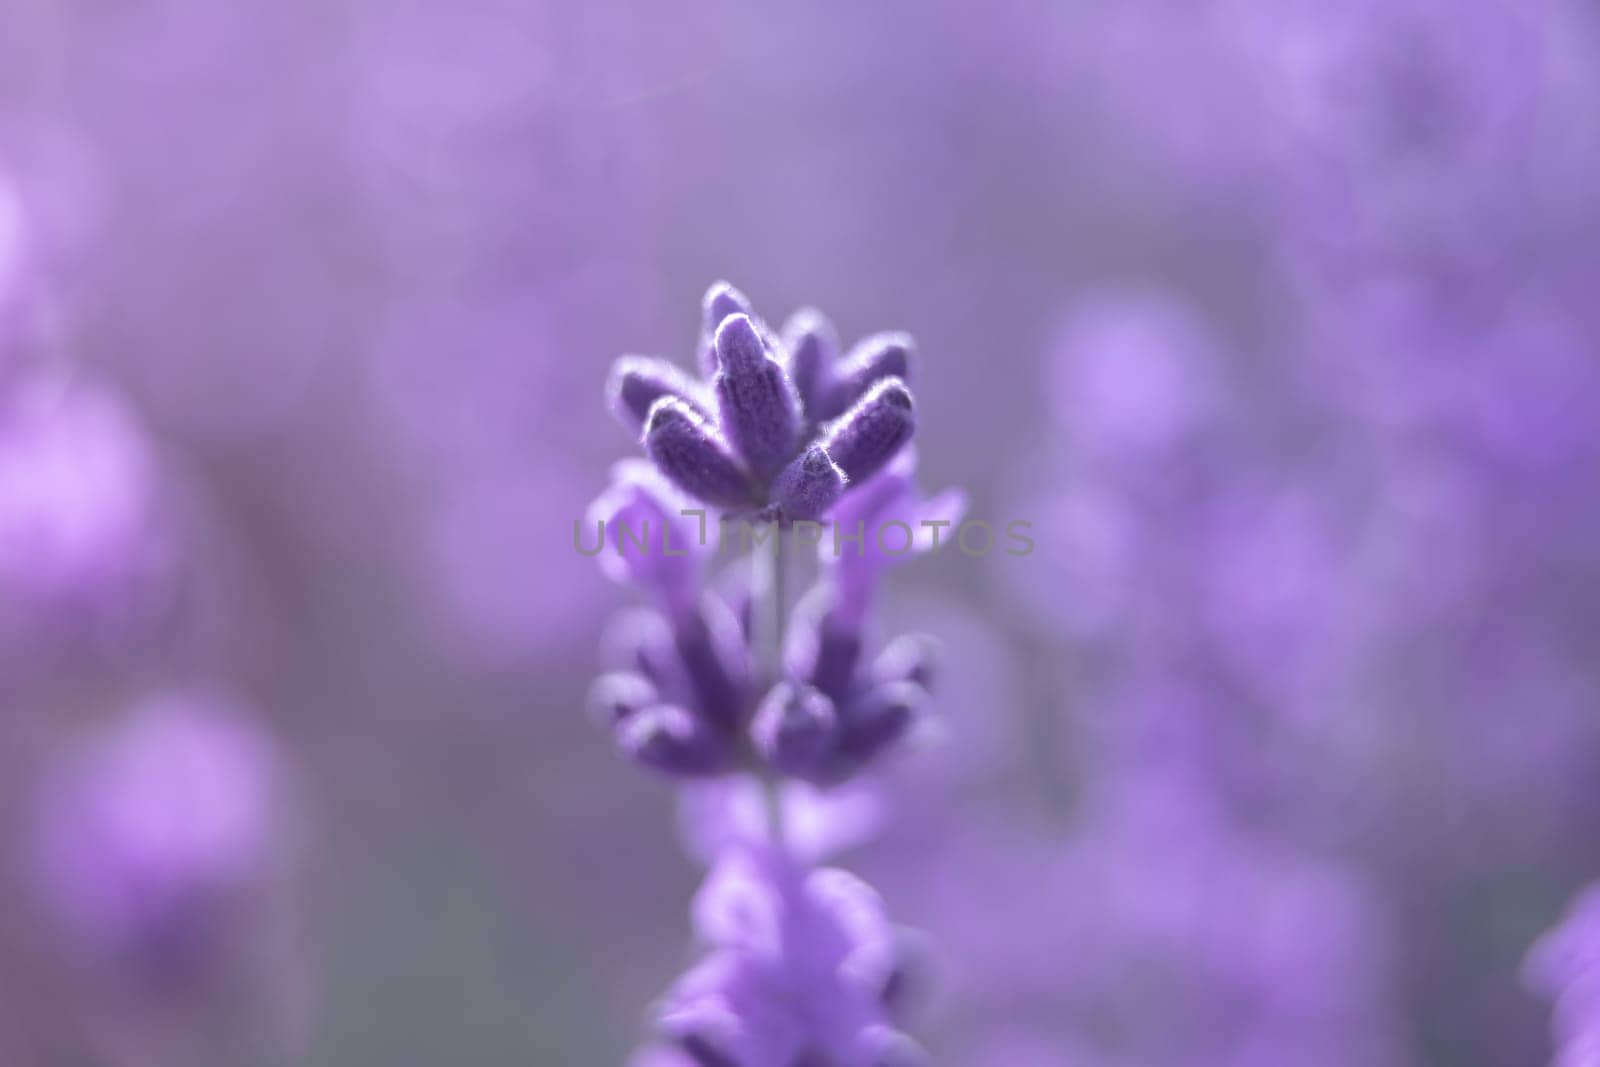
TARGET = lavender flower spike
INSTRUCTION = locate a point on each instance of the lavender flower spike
(687, 450)
(802, 967)
(809, 486)
(756, 403)
(864, 439)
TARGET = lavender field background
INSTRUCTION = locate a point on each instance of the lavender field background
(1278, 320)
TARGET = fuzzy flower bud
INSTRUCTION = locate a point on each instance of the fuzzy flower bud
(721, 301)
(793, 728)
(689, 452)
(756, 403)
(864, 439)
(637, 382)
(908, 658)
(809, 486)
(872, 359)
(620, 695)
(813, 349)
(670, 739)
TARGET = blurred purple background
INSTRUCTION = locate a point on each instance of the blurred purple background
(1277, 322)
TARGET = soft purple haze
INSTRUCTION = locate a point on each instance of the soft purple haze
(1276, 320)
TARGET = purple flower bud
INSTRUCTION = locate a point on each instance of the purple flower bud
(908, 658)
(756, 403)
(864, 439)
(673, 741)
(809, 485)
(820, 650)
(879, 719)
(637, 382)
(872, 359)
(687, 450)
(720, 301)
(641, 641)
(619, 695)
(797, 962)
(716, 663)
(794, 728)
(813, 349)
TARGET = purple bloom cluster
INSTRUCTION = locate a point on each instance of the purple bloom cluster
(727, 677)
(780, 426)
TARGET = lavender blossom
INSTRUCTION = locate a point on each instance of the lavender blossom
(721, 302)
(706, 685)
(883, 355)
(782, 427)
(87, 544)
(139, 839)
(637, 382)
(865, 438)
(810, 485)
(647, 539)
(799, 970)
(812, 346)
(756, 402)
(872, 703)
(158, 850)
(689, 451)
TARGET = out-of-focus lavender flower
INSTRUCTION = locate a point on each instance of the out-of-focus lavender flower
(679, 698)
(1137, 396)
(1133, 375)
(159, 849)
(871, 702)
(1159, 933)
(88, 551)
(147, 838)
(1565, 967)
(799, 970)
